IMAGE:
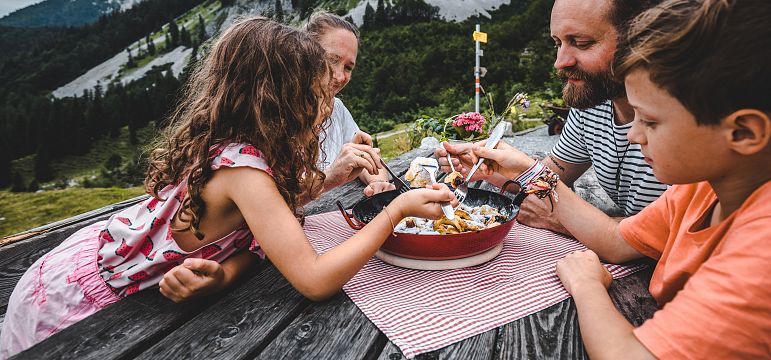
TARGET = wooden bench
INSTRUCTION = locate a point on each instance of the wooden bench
(262, 316)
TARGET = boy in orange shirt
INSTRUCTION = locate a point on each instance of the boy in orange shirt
(697, 74)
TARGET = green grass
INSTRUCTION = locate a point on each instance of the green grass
(24, 211)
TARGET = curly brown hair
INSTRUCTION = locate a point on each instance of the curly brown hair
(263, 83)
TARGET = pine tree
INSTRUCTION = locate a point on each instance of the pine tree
(130, 63)
(279, 11)
(201, 30)
(184, 38)
(17, 183)
(43, 170)
(150, 45)
(381, 18)
(174, 32)
(369, 17)
(5, 164)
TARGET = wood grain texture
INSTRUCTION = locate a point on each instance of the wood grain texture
(334, 329)
(554, 333)
(479, 347)
(119, 331)
(239, 324)
(551, 333)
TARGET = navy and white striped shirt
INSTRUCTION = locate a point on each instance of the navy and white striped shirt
(592, 136)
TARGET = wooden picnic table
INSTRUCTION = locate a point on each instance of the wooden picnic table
(263, 317)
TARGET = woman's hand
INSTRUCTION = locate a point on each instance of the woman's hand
(504, 159)
(194, 278)
(425, 203)
(580, 269)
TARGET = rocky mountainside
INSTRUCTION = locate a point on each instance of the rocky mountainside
(64, 12)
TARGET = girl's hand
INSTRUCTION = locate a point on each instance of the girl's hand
(504, 159)
(194, 278)
(582, 268)
(425, 203)
(378, 186)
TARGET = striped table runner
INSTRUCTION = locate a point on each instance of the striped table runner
(421, 311)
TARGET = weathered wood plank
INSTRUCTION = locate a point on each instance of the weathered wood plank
(239, 324)
(476, 347)
(548, 334)
(124, 329)
(631, 297)
(334, 329)
(554, 333)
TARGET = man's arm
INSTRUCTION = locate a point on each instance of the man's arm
(568, 172)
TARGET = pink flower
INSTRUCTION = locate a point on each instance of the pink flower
(471, 121)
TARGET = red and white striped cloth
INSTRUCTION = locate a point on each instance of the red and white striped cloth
(421, 311)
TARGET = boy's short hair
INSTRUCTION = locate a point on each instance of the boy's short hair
(712, 55)
(322, 21)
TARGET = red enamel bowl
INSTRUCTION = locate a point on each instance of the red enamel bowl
(437, 246)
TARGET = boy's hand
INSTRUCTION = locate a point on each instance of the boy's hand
(425, 203)
(194, 278)
(581, 268)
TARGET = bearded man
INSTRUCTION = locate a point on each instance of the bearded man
(586, 34)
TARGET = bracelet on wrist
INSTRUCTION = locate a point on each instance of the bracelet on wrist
(391, 220)
(540, 181)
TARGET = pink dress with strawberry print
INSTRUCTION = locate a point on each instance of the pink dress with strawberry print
(108, 260)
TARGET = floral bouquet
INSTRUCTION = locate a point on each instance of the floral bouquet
(467, 126)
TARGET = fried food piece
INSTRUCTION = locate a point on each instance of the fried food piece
(415, 174)
(454, 179)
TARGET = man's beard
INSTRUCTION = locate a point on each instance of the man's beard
(596, 89)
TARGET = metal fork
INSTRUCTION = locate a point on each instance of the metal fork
(431, 169)
(401, 186)
(462, 190)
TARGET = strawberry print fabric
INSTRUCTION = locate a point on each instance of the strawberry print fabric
(137, 247)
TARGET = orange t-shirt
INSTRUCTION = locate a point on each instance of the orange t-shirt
(713, 285)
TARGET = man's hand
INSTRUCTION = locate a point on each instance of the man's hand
(463, 159)
(194, 278)
(537, 213)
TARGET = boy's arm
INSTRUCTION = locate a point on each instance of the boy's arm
(592, 227)
(605, 332)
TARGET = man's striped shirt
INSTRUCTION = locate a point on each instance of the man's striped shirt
(592, 136)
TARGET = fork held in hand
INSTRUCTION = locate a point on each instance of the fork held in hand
(495, 136)
(401, 186)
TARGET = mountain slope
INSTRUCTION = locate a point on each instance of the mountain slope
(64, 12)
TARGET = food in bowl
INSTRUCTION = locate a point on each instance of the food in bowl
(416, 175)
(454, 179)
(466, 219)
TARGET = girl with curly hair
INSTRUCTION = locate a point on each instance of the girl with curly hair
(227, 181)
